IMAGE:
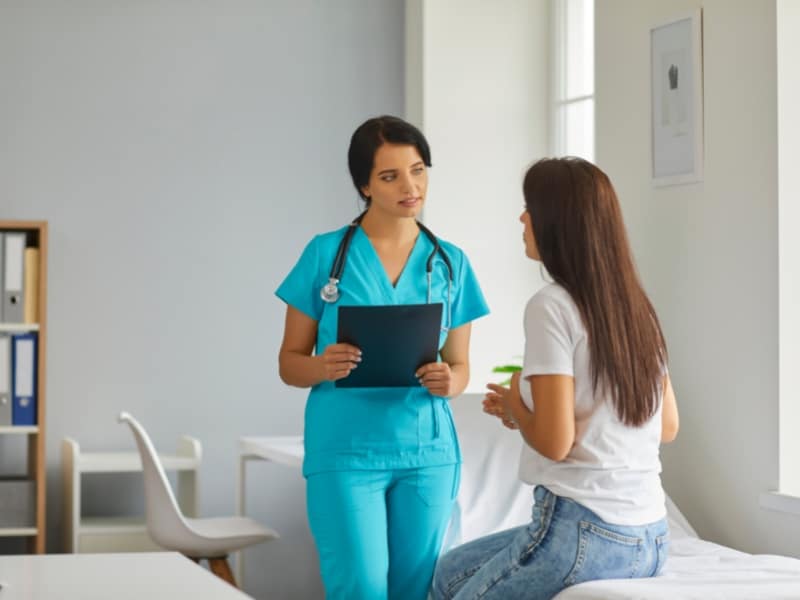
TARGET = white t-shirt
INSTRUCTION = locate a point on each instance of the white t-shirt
(612, 469)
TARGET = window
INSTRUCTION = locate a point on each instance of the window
(788, 93)
(572, 79)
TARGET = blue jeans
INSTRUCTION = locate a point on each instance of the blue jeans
(378, 533)
(564, 544)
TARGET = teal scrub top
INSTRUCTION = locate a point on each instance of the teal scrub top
(377, 428)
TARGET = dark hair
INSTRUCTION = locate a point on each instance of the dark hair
(370, 136)
(580, 235)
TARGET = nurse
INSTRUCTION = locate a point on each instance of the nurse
(381, 464)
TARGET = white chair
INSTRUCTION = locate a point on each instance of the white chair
(211, 538)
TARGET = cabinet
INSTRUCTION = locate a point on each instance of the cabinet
(86, 533)
(32, 274)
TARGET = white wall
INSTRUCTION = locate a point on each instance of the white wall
(708, 255)
(479, 90)
(183, 154)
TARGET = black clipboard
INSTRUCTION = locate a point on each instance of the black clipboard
(394, 341)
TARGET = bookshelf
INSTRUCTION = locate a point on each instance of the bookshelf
(35, 467)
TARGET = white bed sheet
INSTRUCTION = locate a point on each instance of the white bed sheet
(491, 499)
(700, 569)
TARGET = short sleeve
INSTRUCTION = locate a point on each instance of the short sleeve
(468, 301)
(301, 287)
(549, 348)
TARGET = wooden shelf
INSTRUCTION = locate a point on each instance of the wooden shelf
(17, 531)
(18, 327)
(36, 236)
(19, 429)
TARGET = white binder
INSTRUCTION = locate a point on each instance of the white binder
(13, 277)
(2, 274)
(5, 380)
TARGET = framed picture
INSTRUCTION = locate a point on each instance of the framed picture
(676, 67)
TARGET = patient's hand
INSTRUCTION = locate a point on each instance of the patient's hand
(493, 405)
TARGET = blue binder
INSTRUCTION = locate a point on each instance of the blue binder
(23, 378)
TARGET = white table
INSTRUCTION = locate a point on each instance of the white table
(129, 576)
(284, 450)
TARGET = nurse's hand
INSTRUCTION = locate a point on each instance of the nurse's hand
(436, 377)
(338, 360)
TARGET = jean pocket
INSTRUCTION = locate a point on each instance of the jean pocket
(604, 554)
(662, 551)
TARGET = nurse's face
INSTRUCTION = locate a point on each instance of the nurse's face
(531, 249)
(398, 181)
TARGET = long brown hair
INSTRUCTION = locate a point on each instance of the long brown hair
(580, 235)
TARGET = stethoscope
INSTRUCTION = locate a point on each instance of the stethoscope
(330, 291)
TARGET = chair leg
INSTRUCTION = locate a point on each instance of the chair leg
(221, 568)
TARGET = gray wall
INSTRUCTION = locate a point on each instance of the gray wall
(708, 254)
(183, 154)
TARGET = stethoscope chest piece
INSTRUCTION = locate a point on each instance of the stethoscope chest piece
(330, 291)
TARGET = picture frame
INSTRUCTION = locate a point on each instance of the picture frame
(676, 100)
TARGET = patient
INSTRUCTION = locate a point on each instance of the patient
(592, 403)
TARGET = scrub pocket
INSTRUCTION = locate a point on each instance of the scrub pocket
(604, 554)
(438, 486)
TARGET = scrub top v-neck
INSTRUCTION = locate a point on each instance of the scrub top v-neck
(373, 260)
(377, 428)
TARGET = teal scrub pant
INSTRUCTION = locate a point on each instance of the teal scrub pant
(378, 533)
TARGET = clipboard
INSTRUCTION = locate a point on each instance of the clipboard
(394, 341)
